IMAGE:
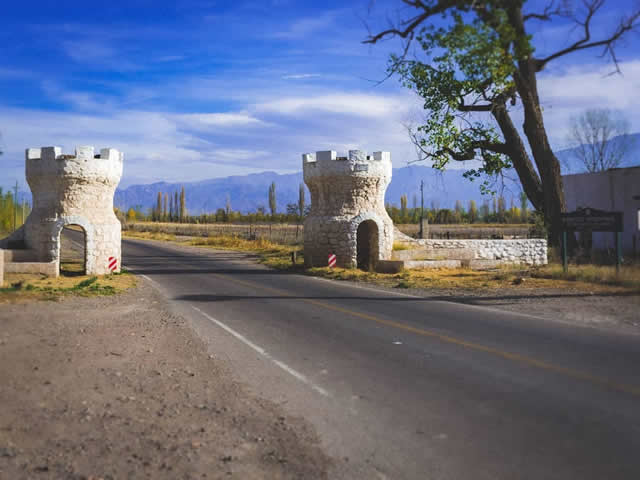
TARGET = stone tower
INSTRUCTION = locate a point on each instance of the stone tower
(347, 217)
(73, 190)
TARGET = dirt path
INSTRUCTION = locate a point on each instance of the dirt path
(113, 388)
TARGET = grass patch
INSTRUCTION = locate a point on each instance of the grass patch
(25, 287)
(398, 246)
(167, 237)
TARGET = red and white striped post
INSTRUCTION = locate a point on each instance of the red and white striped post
(112, 264)
(332, 260)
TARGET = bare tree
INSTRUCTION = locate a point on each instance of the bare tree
(481, 66)
(600, 139)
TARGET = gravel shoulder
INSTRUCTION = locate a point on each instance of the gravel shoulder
(119, 387)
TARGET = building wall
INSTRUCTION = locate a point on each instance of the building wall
(612, 190)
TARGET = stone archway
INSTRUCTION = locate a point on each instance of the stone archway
(76, 222)
(367, 245)
(73, 250)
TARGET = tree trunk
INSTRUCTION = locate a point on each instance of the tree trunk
(546, 161)
(520, 158)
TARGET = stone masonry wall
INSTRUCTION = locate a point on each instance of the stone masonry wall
(518, 251)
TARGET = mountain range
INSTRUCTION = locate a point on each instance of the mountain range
(248, 192)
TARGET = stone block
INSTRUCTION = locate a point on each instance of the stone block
(46, 268)
(414, 264)
(389, 266)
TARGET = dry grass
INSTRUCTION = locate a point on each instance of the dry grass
(629, 276)
(23, 287)
(513, 278)
(167, 237)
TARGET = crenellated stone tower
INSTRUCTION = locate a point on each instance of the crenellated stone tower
(73, 190)
(348, 217)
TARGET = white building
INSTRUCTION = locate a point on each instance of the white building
(617, 189)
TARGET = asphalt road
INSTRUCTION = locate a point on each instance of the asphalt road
(404, 387)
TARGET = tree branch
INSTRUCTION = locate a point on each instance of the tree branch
(626, 24)
(549, 11)
(411, 24)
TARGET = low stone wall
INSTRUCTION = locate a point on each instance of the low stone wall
(517, 251)
(46, 268)
(22, 255)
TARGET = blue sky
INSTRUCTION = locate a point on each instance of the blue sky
(196, 89)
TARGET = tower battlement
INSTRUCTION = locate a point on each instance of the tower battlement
(356, 163)
(84, 163)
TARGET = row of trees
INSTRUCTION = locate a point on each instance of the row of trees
(12, 213)
(495, 211)
(172, 208)
(169, 208)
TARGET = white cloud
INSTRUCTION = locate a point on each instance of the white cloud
(87, 50)
(300, 76)
(304, 27)
(205, 121)
(356, 104)
(571, 90)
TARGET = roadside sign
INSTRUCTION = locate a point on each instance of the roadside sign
(113, 264)
(332, 260)
(592, 219)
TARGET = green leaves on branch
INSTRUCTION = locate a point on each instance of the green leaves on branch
(471, 70)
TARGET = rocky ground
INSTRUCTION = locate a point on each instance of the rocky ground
(118, 387)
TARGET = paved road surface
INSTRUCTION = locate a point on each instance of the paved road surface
(400, 387)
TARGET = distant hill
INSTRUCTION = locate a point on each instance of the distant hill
(248, 192)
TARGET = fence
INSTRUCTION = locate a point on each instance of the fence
(287, 234)
(291, 234)
(467, 231)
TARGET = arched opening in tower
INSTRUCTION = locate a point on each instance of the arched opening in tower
(73, 251)
(367, 245)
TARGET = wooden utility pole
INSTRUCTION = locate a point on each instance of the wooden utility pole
(421, 208)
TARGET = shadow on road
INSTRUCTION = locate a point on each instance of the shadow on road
(469, 300)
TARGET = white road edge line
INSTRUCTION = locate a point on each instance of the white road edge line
(299, 376)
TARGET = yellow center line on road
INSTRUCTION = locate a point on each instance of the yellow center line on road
(569, 372)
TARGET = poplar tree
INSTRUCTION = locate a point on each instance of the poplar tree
(164, 211)
(175, 205)
(301, 201)
(157, 212)
(272, 199)
(183, 207)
